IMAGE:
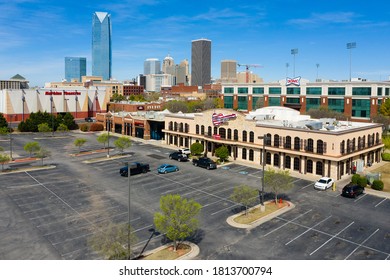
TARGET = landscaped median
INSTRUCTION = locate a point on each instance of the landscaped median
(185, 251)
(255, 217)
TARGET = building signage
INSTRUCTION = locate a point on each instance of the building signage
(62, 92)
(293, 81)
(140, 108)
(219, 119)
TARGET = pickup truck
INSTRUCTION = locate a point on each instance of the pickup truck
(135, 168)
(205, 163)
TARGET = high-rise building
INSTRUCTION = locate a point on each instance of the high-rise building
(182, 73)
(168, 66)
(152, 66)
(75, 68)
(201, 62)
(101, 45)
(229, 71)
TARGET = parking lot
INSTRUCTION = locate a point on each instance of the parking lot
(51, 214)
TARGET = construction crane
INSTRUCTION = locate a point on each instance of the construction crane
(247, 66)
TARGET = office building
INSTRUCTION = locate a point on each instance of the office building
(182, 73)
(168, 66)
(75, 68)
(101, 45)
(201, 62)
(229, 71)
(152, 66)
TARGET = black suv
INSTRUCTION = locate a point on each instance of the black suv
(205, 163)
(352, 190)
(178, 156)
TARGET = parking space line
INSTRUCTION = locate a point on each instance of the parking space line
(288, 222)
(224, 209)
(307, 186)
(145, 227)
(359, 198)
(308, 230)
(360, 245)
(380, 202)
(334, 236)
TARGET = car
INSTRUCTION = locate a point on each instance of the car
(167, 168)
(135, 168)
(324, 183)
(178, 156)
(205, 163)
(352, 190)
(185, 151)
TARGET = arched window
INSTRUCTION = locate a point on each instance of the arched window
(235, 135)
(297, 143)
(310, 144)
(364, 142)
(251, 137)
(251, 155)
(186, 128)
(297, 164)
(353, 148)
(215, 130)
(243, 153)
(287, 164)
(288, 142)
(349, 146)
(197, 129)
(181, 129)
(359, 143)
(268, 139)
(320, 147)
(268, 158)
(276, 140)
(170, 126)
(377, 140)
(229, 134)
(342, 147)
(209, 131)
(202, 130)
(276, 160)
(244, 136)
(222, 132)
(319, 168)
(309, 166)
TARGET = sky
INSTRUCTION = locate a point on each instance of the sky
(37, 35)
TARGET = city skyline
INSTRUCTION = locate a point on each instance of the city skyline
(263, 33)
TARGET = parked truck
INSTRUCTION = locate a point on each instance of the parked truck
(205, 163)
(135, 168)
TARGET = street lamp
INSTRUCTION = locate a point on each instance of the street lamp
(154, 232)
(23, 101)
(350, 46)
(51, 112)
(76, 100)
(294, 52)
(10, 137)
(261, 192)
(108, 125)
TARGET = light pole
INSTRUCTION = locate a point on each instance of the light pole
(294, 52)
(287, 65)
(51, 112)
(108, 133)
(10, 137)
(261, 192)
(23, 101)
(317, 65)
(350, 46)
(154, 232)
(128, 227)
(76, 100)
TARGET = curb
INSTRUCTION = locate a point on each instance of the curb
(28, 169)
(231, 222)
(191, 254)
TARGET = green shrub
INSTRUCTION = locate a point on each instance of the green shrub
(355, 178)
(377, 185)
(96, 127)
(84, 127)
(362, 181)
(386, 156)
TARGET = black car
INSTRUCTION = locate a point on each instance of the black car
(205, 163)
(352, 190)
(178, 156)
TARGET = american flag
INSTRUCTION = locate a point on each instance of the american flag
(219, 119)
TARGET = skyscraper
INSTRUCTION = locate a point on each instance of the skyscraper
(229, 71)
(152, 66)
(75, 68)
(101, 45)
(201, 62)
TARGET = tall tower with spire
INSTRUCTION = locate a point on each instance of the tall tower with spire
(101, 45)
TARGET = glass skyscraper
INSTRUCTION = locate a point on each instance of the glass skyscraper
(152, 66)
(75, 68)
(101, 45)
(201, 62)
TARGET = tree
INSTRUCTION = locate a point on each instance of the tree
(79, 142)
(178, 217)
(103, 139)
(44, 127)
(222, 152)
(3, 121)
(260, 102)
(176, 106)
(244, 195)
(122, 143)
(384, 120)
(32, 147)
(42, 153)
(386, 142)
(111, 241)
(385, 108)
(277, 181)
(325, 112)
(62, 128)
(4, 158)
(196, 148)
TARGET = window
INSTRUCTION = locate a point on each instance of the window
(379, 91)
(209, 131)
(276, 160)
(349, 146)
(228, 102)
(222, 133)
(258, 90)
(361, 108)
(202, 130)
(243, 153)
(287, 163)
(294, 90)
(229, 134)
(309, 166)
(297, 143)
(170, 126)
(297, 165)
(288, 143)
(292, 100)
(342, 147)
(197, 129)
(215, 130)
(181, 129)
(310, 144)
(242, 102)
(313, 91)
(336, 105)
(275, 90)
(268, 139)
(320, 147)
(235, 135)
(268, 158)
(244, 136)
(276, 140)
(228, 90)
(242, 90)
(251, 137)
(353, 144)
(312, 103)
(274, 101)
(361, 91)
(336, 91)
(319, 168)
(251, 155)
(186, 128)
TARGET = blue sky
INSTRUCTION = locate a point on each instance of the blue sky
(36, 36)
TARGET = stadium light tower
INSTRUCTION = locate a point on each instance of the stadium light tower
(350, 46)
(294, 52)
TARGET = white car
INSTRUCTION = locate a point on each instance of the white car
(185, 151)
(324, 183)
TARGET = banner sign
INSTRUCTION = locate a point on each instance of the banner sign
(293, 81)
(219, 119)
(62, 92)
